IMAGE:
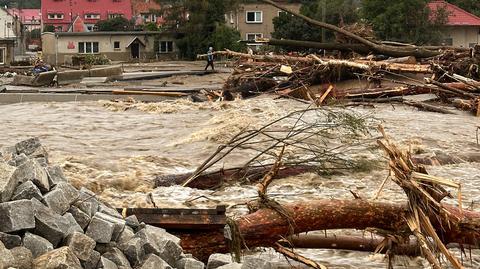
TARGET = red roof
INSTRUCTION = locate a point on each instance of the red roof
(26, 14)
(456, 15)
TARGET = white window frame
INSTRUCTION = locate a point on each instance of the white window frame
(92, 16)
(114, 15)
(55, 16)
(256, 34)
(166, 46)
(91, 47)
(254, 11)
(2, 59)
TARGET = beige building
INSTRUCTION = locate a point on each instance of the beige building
(60, 47)
(256, 20)
(462, 28)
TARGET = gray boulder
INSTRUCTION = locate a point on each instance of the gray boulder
(116, 256)
(134, 250)
(92, 261)
(118, 224)
(16, 215)
(81, 245)
(8, 181)
(124, 237)
(82, 218)
(109, 211)
(152, 261)
(27, 190)
(36, 244)
(132, 221)
(216, 260)
(33, 171)
(61, 197)
(106, 264)
(22, 257)
(231, 266)
(28, 146)
(100, 230)
(87, 202)
(6, 258)
(49, 224)
(73, 225)
(59, 258)
(160, 243)
(10, 241)
(55, 175)
(189, 263)
(250, 262)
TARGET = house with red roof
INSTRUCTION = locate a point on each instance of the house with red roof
(146, 11)
(462, 28)
(29, 17)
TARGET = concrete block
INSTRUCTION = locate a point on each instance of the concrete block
(81, 245)
(117, 256)
(73, 225)
(152, 261)
(36, 244)
(189, 263)
(27, 190)
(59, 258)
(107, 71)
(23, 258)
(106, 264)
(92, 261)
(55, 175)
(10, 240)
(82, 218)
(100, 230)
(33, 171)
(218, 259)
(6, 258)
(61, 197)
(8, 182)
(49, 224)
(16, 215)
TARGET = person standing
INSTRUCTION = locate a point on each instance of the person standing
(210, 59)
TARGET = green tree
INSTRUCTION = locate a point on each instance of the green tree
(204, 27)
(115, 24)
(49, 28)
(472, 6)
(336, 12)
(405, 21)
(151, 26)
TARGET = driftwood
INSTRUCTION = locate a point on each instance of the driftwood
(266, 226)
(393, 51)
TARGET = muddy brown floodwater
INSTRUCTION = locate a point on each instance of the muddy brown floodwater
(116, 149)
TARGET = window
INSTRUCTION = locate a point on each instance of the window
(254, 36)
(114, 15)
(146, 17)
(90, 27)
(2, 55)
(88, 47)
(55, 16)
(116, 45)
(92, 16)
(254, 16)
(166, 46)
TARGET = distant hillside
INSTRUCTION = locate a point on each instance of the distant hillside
(20, 3)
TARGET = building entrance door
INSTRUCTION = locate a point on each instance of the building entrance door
(135, 49)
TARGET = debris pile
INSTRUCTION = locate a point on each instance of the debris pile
(47, 223)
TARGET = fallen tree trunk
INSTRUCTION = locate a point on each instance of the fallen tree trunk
(394, 51)
(355, 243)
(217, 178)
(381, 92)
(358, 48)
(266, 226)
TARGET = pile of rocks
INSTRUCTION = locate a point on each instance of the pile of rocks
(47, 223)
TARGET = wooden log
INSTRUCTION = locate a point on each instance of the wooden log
(266, 226)
(427, 107)
(358, 48)
(211, 180)
(354, 243)
(393, 51)
(452, 90)
(381, 92)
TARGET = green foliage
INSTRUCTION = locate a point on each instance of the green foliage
(405, 21)
(49, 28)
(115, 24)
(204, 26)
(92, 59)
(226, 37)
(472, 6)
(35, 34)
(336, 12)
(151, 26)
